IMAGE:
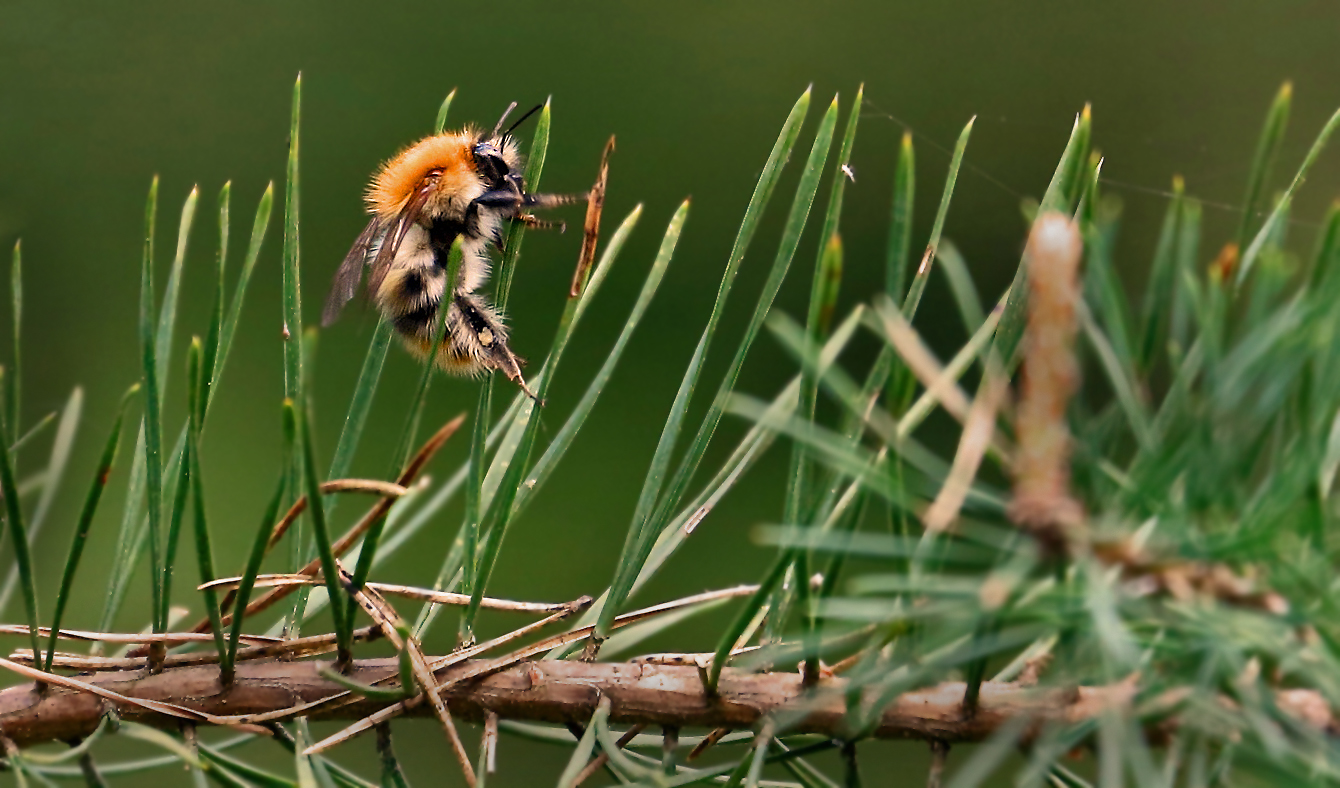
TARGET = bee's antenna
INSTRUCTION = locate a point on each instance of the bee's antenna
(503, 119)
(521, 119)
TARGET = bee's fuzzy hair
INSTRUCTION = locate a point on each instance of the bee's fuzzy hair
(452, 154)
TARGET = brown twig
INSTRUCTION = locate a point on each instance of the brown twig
(409, 592)
(141, 637)
(595, 203)
(490, 742)
(485, 668)
(939, 755)
(351, 537)
(1042, 501)
(160, 708)
(709, 740)
(597, 763)
(559, 691)
(922, 362)
(972, 447)
(481, 668)
(697, 659)
(389, 622)
(298, 648)
(1186, 580)
(440, 663)
(669, 745)
(373, 486)
(940, 382)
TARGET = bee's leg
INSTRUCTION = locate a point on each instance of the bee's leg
(520, 381)
(481, 331)
(550, 200)
(536, 223)
(533, 222)
(500, 198)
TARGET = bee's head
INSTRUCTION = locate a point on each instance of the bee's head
(497, 156)
(440, 177)
(497, 161)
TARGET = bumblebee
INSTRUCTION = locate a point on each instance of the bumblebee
(468, 185)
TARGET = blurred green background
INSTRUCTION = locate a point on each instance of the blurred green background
(96, 98)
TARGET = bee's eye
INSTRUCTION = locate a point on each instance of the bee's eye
(490, 163)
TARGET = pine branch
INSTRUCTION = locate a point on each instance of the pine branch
(564, 691)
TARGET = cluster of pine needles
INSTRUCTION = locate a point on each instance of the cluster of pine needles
(1121, 574)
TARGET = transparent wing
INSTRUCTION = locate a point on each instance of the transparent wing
(351, 272)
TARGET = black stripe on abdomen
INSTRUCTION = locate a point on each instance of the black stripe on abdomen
(418, 321)
(412, 286)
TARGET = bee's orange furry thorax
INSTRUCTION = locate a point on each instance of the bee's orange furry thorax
(448, 153)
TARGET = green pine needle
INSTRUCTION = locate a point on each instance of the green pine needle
(204, 551)
(85, 522)
(441, 122)
(1267, 149)
(18, 536)
(12, 380)
(923, 272)
(153, 419)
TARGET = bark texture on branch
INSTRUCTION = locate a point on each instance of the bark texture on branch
(551, 691)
